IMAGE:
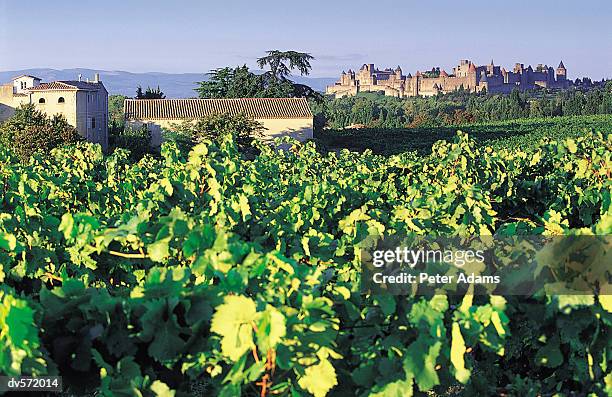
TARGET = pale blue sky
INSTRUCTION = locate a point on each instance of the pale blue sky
(196, 36)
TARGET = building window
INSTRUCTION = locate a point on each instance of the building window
(93, 122)
(61, 100)
(41, 100)
(23, 85)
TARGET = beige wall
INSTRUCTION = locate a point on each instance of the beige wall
(7, 108)
(52, 106)
(300, 129)
(9, 102)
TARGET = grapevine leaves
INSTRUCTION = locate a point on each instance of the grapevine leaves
(319, 379)
(19, 337)
(234, 321)
(420, 362)
(456, 355)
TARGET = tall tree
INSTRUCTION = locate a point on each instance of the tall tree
(277, 62)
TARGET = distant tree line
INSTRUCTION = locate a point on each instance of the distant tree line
(149, 93)
(460, 107)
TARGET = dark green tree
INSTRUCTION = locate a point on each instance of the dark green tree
(150, 93)
(281, 63)
(229, 82)
(240, 82)
(30, 131)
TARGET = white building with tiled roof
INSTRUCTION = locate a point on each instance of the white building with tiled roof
(84, 104)
(280, 116)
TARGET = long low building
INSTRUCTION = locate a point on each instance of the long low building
(279, 116)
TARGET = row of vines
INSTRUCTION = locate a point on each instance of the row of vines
(208, 274)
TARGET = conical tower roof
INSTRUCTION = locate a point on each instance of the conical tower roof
(561, 65)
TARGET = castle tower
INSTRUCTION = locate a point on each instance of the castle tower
(483, 84)
(550, 75)
(491, 68)
(561, 72)
(398, 72)
(472, 76)
(416, 89)
(518, 68)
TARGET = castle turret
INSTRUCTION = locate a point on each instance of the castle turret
(443, 73)
(491, 68)
(472, 68)
(561, 72)
(518, 68)
(505, 75)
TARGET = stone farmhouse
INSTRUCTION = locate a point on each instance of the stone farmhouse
(84, 104)
(279, 116)
(466, 75)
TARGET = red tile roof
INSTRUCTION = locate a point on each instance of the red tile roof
(176, 109)
(67, 85)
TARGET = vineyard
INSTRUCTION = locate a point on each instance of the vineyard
(524, 133)
(203, 273)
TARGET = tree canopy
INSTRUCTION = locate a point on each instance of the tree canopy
(277, 62)
(240, 82)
